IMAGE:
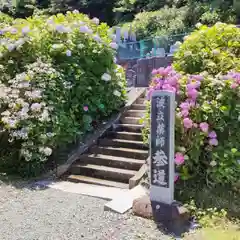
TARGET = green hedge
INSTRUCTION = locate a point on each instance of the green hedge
(215, 50)
(58, 81)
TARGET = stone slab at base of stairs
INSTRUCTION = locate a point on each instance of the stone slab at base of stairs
(123, 203)
(121, 199)
(103, 192)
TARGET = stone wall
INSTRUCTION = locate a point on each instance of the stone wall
(138, 71)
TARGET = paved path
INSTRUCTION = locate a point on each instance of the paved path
(52, 214)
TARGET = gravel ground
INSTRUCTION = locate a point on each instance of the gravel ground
(55, 215)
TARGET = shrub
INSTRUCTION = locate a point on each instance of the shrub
(58, 79)
(5, 19)
(167, 21)
(215, 50)
(207, 142)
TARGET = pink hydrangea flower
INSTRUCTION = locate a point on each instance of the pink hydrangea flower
(197, 77)
(187, 122)
(185, 106)
(193, 85)
(193, 93)
(204, 126)
(213, 142)
(234, 85)
(173, 81)
(85, 108)
(179, 158)
(212, 134)
(184, 113)
(154, 71)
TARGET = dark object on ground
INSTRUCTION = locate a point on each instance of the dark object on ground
(175, 218)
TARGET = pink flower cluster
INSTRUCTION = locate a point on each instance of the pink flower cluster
(192, 87)
(179, 158)
(235, 76)
(164, 79)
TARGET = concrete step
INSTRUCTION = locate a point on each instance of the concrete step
(122, 143)
(112, 161)
(141, 101)
(96, 181)
(104, 172)
(121, 152)
(125, 135)
(129, 127)
(130, 120)
(134, 113)
(138, 106)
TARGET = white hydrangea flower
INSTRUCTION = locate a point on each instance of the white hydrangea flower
(215, 52)
(62, 29)
(213, 163)
(13, 30)
(69, 53)
(11, 47)
(6, 113)
(97, 38)
(75, 11)
(187, 53)
(84, 29)
(45, 116)
(50, 21)
(121, 84)
(113, 45)
(106, 77)
(47, 151)
(36, 107)
(117, 93)
(80, 46)
(34, 94)
(25, 30)
(57, 46)
(96, 21)
(198, 25)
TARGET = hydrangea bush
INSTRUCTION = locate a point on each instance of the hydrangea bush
(58, 78)
(215, 50)
(207, 140)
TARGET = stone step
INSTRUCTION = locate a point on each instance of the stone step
(134, 113)
(138, 106)
(129, 127)
(141, 101)
(125, 135)
(104, 172)
(130, 120)
(112, 161)
(96, 181)
(122, 143)
(122, 152)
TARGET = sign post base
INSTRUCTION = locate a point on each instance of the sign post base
(174, 217)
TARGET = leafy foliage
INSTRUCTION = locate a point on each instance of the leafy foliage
(215, 50)
(207, 119)
(207, 113)
(58, 79)
(168, 21)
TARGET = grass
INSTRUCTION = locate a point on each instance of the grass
(230, 233)
(216, 208)
(220, 197)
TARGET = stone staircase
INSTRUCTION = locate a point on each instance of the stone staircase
(118, 155)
